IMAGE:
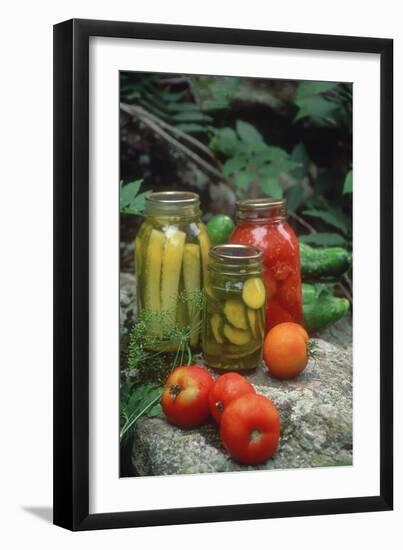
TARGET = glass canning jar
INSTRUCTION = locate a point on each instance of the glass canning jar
(234, 313)
(171, 257)
(263, 223)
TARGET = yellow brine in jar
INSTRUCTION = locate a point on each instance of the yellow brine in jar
(234, 313)
(171, 257)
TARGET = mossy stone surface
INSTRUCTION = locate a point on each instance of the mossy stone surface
(315, 410)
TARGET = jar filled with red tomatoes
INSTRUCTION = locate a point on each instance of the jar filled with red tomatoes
(263, 223)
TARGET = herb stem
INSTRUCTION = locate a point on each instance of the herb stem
(130, 423)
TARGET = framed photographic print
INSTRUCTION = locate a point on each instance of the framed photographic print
(223, 303)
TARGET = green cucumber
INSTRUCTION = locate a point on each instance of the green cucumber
(323, 263)
(321, 308)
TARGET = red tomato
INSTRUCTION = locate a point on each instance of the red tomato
(185, 396)
(250, 429)
(226, 388)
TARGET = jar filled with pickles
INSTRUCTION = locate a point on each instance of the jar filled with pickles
(171, 258)
(234, 313)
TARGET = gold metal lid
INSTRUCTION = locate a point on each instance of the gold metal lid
(173, 198)
(266, 208)
(236, 252)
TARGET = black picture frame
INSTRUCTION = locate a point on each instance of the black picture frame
(71, 274)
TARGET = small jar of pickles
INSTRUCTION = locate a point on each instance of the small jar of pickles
(234, 313)
(171, 257)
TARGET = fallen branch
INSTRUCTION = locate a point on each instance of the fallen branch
(165, 130)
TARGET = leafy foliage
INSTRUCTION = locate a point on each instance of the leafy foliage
(333, 217)
(316, 190)
(212, 92)
(148, 364)
(324, 103)
(348, 183)
(187, 106)
(131, 201)
(136, 401)
(154, 366)
(250, 159)
(323, 239)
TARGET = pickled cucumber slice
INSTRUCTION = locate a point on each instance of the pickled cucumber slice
(205, 245)
(191, 276)
(235, 313)
(254, 293)
(152, 297)
(216, 324)
(252, 321)
(237, 336)
(171, 271)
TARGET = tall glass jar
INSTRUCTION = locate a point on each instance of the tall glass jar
(263, 223)
(233, 321)
(171, 258)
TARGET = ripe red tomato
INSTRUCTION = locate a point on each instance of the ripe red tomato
(250, 429)
(285, 350)
(185, 396)
(226, 388)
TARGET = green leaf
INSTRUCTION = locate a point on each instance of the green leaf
(295, 197)
(224, 141)
(247, 132)
(182, 107)
(143, 400)
(243, 179)
(299, 154)
(331, 217)
(130, 201)
(348, 183)
(129, 191)
(311, 87)
(271, 187)
(318, 108)
(154, 411)
(195, 116)
(275, 154)
(233, 165)
(277, 168)
(323, 239)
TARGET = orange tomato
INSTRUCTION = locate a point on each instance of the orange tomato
(285, 350)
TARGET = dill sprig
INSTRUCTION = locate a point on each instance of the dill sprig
(153, 354)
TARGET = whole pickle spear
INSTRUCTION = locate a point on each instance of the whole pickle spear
(153, 271)
(205, 245)
(191, 276)
(171, 272)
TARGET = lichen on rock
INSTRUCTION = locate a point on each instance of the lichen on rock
(315, 410)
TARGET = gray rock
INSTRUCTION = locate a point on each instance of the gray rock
(127, 302)
(315, 410)
(316, 419)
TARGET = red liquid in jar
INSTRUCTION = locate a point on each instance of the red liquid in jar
(282, 275)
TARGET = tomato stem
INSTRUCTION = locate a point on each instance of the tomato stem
(174, 390)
